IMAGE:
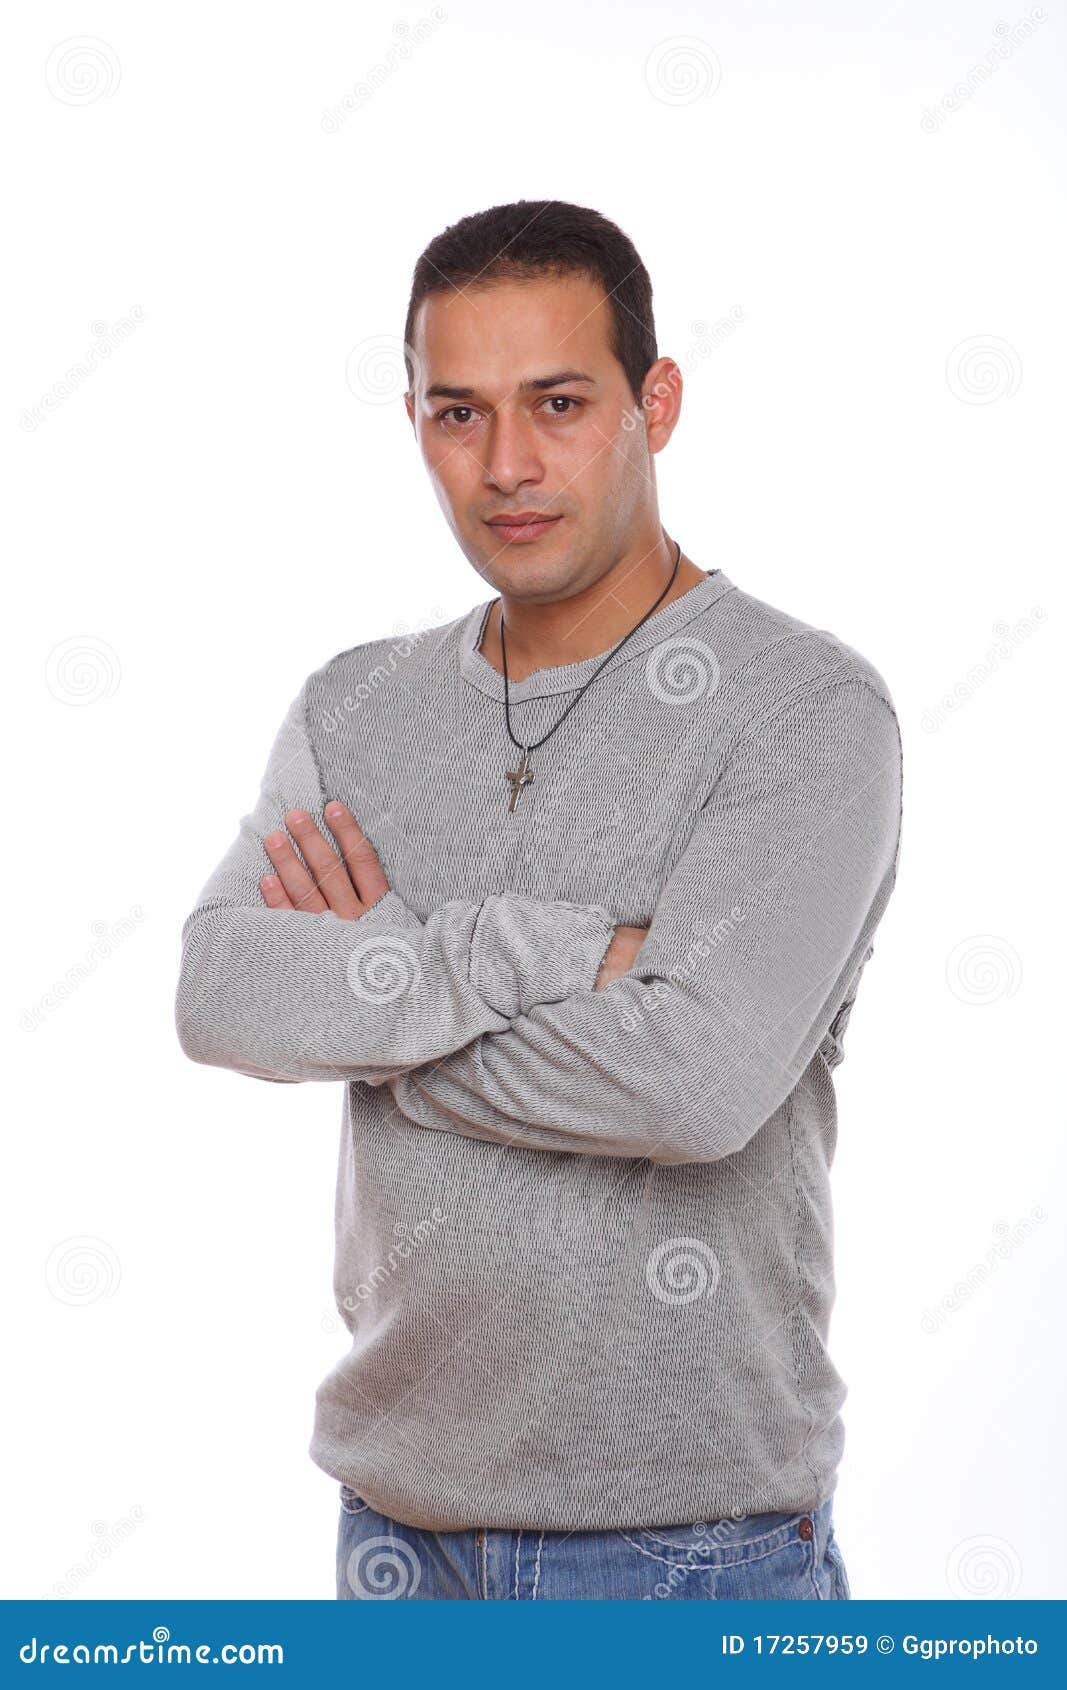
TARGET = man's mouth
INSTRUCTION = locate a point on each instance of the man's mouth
(522, 525)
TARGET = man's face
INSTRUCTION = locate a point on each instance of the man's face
(571, 449)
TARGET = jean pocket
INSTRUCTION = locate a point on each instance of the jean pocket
(727, 1542)
(836, 1562)
(351, 1501)
(769, 1556)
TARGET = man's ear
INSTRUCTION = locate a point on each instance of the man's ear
(661, 401)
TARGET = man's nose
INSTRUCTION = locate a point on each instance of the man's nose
(511, 455)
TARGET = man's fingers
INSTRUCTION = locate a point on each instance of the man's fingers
(296, 881)
(330, 874)
(274, 894)
(346, 884)
(621, 954)
(368, 876)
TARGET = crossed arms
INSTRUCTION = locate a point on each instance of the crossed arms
(292, 994)
(484, 1020)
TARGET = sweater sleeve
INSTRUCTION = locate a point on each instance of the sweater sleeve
(756, 939)
(288, 995)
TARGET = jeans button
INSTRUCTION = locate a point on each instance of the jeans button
(806, 1528)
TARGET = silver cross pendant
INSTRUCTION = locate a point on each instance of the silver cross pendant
(520, 777)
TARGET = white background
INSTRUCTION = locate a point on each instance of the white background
(214, 512)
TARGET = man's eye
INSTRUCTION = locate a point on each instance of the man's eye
(451, 413)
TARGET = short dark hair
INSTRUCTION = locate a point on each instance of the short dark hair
(536, 237)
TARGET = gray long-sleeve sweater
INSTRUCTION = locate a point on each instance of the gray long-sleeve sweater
(583, 1239)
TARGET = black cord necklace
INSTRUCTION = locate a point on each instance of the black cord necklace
(523, 775)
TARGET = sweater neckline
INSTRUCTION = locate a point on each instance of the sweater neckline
(566, 677)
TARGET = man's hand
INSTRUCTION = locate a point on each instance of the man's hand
(347, 884)
(621, 955)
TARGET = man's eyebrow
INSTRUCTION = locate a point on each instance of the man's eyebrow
(534, 384)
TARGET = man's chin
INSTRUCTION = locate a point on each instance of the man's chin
(521, 575)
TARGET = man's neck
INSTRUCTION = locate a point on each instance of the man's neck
(589, 622)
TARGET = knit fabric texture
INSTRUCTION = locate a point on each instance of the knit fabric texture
(584, 1239)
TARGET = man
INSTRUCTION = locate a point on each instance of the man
(574, 898)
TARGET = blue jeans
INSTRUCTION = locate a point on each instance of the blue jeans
(791, 1556)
